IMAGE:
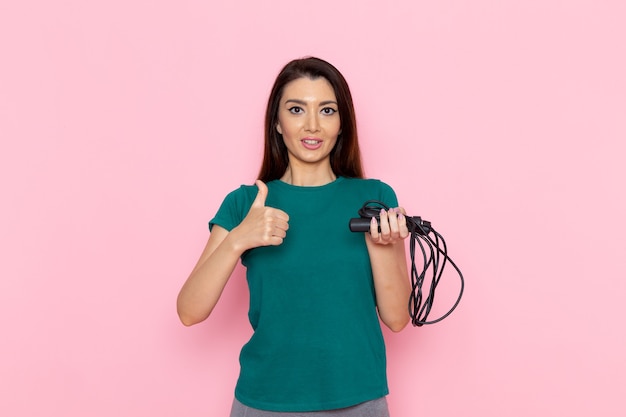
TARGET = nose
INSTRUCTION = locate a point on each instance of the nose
(312, 123)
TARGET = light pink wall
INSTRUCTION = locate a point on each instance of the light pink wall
(124, 123)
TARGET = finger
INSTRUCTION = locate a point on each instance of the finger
(281, 215)
(280, 224)
(274, 240)
(278, 233)
(385, 232)
(394, 227)
(402, 224)
(374, 229)
(403, 227)
(259, 200)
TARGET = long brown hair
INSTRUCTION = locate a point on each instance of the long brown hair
(345, 158)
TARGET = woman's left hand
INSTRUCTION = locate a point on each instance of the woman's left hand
(393, 227)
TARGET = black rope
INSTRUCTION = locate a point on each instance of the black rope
(434, 258)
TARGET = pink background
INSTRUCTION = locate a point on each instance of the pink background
(125, 123)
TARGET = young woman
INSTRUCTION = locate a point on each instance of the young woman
(317, 290)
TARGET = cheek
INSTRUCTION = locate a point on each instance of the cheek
(333, 143)
(287, 127)
(279, 125)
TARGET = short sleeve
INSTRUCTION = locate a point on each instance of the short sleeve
(233, 209)
(388, 195)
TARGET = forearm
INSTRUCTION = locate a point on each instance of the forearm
(391, 282)
(205, 284)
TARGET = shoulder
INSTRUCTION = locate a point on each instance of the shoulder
(368, 184)
(240, 198)
(234, 207)
(371, 189)
(243, 192)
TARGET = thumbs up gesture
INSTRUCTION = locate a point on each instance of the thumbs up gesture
(262, 226)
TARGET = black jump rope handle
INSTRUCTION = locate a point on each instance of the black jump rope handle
(415, 224)
(361, 224)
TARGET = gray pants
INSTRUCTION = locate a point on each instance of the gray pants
(374, 408)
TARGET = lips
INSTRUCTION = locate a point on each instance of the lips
(311, 143)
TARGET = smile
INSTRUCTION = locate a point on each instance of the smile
(311, 144)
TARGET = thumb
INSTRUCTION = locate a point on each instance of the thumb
(259, 201)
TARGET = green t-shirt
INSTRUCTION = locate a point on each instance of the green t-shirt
(317, 342)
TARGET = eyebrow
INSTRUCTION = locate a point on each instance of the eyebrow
(304, 103)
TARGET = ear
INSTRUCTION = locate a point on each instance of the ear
(279, 129)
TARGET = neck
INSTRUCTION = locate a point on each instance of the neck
(308, 177)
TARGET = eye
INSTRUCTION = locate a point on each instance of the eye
(328, 111)
(295, 110)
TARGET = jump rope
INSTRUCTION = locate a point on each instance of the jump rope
(434, 258)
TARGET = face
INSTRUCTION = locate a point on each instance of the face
(308, 120)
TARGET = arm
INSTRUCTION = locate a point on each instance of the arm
(262, 226)
(205, 284)
(388, 258)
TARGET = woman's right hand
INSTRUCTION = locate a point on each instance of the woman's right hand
(262, 226)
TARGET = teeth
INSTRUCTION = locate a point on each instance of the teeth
(311, 142)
